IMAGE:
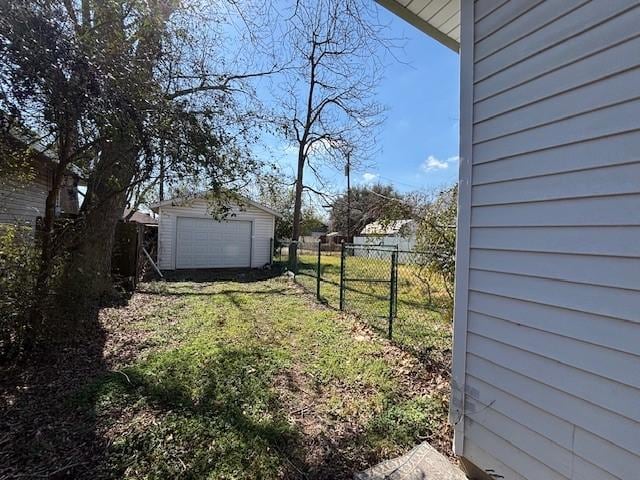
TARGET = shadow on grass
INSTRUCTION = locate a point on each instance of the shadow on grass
(201, 416)
(40, 436)
(166, 293)
(240, 275)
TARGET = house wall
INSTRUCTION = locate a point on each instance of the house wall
(263, 230)
(547, 322)
(24, 202)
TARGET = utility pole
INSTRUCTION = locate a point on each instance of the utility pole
(347, 172)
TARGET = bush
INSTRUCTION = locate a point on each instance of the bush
(18, 264)
(436, 234)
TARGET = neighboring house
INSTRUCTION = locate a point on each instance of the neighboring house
(22, 202)
(546, 356)
(189, 237)
(398, 233)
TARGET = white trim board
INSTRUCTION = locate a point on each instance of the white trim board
(458, 374)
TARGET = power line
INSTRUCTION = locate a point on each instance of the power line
(399, 182)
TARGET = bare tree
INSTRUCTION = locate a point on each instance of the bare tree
(328, 110)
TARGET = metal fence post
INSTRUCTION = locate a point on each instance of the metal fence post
(342, 254)
(392, 291)
(318, 277)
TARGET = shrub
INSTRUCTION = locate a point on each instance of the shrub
(18, 264)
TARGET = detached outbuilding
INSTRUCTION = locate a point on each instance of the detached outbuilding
(190, 237)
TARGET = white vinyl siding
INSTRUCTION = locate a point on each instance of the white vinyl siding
(262, 232)
(551, 308)
(23, 202)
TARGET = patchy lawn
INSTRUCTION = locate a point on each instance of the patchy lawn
(422, 324)
(227, 380)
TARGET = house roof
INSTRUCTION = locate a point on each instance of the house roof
(140, 217)
(242, 199)
(386, 228)
(439, 19)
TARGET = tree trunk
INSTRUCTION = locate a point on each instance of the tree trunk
(297, 213)
(86, 279)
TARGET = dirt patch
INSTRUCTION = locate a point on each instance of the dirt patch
(41, 434)
(334, 449)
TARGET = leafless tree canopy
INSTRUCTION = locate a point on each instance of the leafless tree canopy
(327, 97)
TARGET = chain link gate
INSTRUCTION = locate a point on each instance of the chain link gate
(369, 284)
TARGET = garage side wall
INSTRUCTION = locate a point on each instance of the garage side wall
(550, 271)
(263, 230)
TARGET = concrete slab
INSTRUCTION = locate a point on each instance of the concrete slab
(422, 463)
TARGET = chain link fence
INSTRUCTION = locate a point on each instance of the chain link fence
(398, 293)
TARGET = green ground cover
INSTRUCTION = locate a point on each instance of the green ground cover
(232, 380)
(423, 320)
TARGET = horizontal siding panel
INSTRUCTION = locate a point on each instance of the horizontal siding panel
(522, 26)
(614, 241)
(619, 366)
(501, 17)
(562, 29)
(603, 422)
(532, 417)
(584, 470)
(610, 151)
(17, 219)
(514, 458)
(594, 96)
(612, 302)
(594, 270)
(549, 453)
(613, 180)
(612, 32)
(600, 452)
(608, 332)
(594, 68)
(607, 121)
(597, 211)
(482, 8)
(607, 394)
(553, 322)
(487, 462)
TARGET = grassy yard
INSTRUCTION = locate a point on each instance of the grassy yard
(232, 380)
(422, 324)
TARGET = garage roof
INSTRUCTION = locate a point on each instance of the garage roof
(439, 19)
(202, 196)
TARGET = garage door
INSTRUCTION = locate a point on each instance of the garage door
(206, 243)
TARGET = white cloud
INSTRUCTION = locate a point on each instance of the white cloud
(433, 163)
(369, 177)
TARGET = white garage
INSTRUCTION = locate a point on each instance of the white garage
(189, 237)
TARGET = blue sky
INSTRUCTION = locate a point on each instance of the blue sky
(418, 142)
